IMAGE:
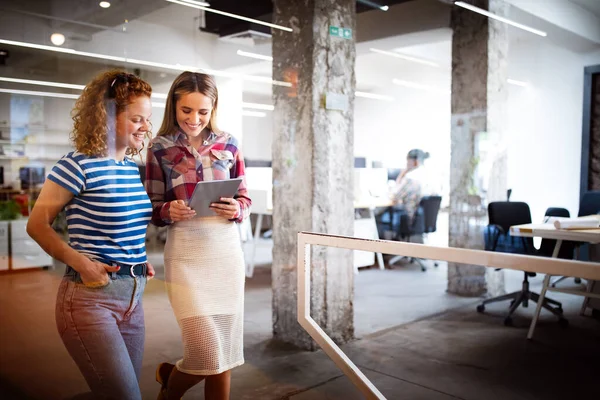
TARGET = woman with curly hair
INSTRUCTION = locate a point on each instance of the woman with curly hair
(99, 312)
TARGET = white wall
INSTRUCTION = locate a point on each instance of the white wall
(545, 124)
(257, 137)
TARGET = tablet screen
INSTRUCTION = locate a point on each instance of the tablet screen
(209, 192)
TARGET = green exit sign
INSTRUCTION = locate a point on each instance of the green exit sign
(336, 31)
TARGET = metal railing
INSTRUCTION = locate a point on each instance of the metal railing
(551, 266)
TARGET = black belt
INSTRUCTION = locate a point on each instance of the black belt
(126, 269)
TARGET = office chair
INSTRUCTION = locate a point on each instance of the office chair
(547, 246)
(503, 215)
(423, 222)
(589, 205)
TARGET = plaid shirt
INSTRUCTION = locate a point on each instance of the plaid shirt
(173, 167)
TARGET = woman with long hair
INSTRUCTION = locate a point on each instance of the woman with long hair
(204, 263)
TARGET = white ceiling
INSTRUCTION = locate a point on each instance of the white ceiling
(592, 6)
(374, 72)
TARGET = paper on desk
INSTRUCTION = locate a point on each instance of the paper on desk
(589, 222)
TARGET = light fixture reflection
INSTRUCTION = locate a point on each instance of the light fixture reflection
(254, 55)
(405, 57)
(175, 67)
(517, 83)
(499, 18)
(259, 114)
(57, 39)
(420, 86)
(258, 106)
(43, 94)
(374, 96)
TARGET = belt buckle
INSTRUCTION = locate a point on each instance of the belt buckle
(131, 270)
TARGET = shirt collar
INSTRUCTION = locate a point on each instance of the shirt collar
(181, 136)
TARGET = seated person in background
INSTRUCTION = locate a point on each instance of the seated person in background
(411, 184)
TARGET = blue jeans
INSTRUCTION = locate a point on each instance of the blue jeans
(103, 331)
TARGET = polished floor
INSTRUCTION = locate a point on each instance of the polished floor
(414, 341)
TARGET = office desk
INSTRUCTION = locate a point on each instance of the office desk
(366, 228)
(547, 231)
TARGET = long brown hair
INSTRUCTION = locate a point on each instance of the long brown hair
(96, 110)
(189, 82)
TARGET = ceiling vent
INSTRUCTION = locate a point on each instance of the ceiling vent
(246, 34)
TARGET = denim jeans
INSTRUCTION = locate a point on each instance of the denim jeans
(103, 331)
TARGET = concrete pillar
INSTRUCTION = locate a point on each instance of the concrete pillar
(478, 151)
(313, 162)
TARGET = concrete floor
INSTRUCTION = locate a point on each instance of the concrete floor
(414, 342)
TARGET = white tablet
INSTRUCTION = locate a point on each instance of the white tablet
(209, 192)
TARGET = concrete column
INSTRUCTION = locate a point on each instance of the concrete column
(313, 162)
(478, 151)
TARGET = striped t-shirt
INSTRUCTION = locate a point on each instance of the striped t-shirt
(108, 217)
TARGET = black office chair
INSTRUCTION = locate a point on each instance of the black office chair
(567, 248)
(589, 205)
(503, 215)
(424, 221)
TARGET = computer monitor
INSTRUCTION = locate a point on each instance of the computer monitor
(31, 177)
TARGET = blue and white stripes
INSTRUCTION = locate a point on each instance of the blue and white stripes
(108, 217)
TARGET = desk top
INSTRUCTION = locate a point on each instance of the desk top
(548, 231)
(372, 202)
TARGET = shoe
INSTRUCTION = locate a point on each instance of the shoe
(162, 376)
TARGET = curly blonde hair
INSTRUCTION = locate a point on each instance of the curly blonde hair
(96, 110)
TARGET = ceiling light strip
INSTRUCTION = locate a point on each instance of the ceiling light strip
(258, 106)
(420, 86)
(405, 57)
(517, 83)
(247, 113)
(375, 96)
(198, 3)
(254, 55)
(60, 85)
(42, 83)
(256, 21)
(499, 18)
(43, 94)
(174, 67)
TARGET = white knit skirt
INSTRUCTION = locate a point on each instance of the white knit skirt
(204, 275)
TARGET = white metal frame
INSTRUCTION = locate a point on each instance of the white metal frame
(551, 266)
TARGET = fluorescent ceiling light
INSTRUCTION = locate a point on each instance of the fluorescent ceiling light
(419, 86)
(44, 94)
(42, 83)
(104, 4)
(259, 114)
(374, 5)
(254, 55)
(175, 67)
(198, 3)
(258, 106)
(60, 85)
(405, 57)
(499, 18)
(57, 39)
(256, 21)
(374, 96)
(517, 83)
